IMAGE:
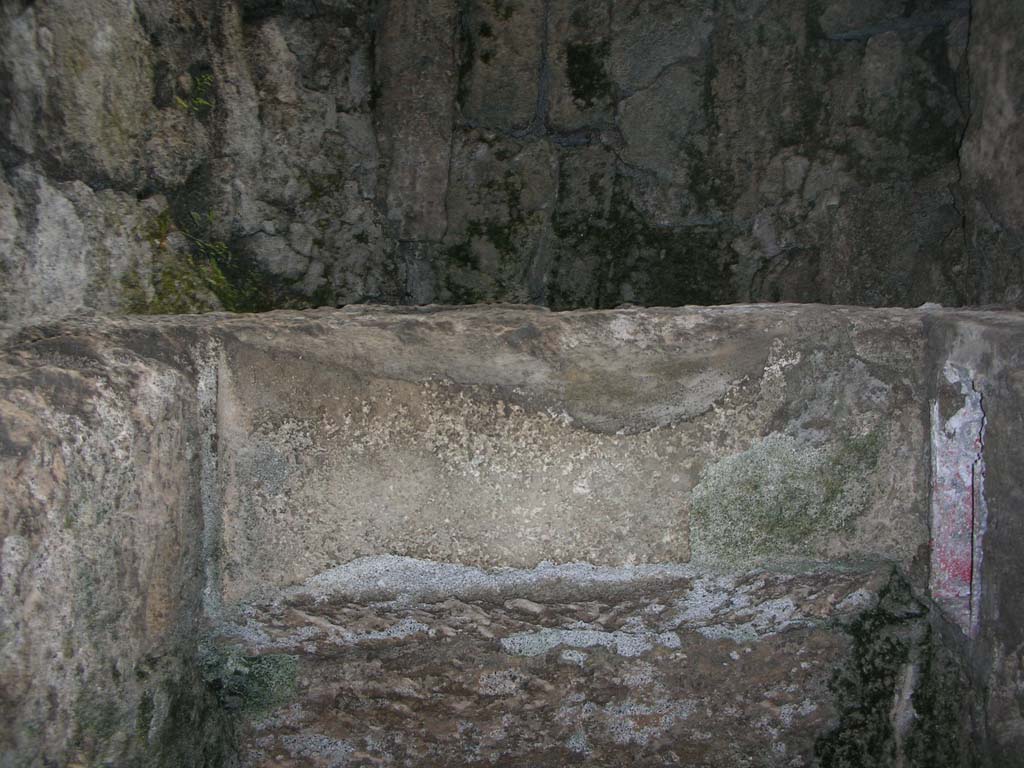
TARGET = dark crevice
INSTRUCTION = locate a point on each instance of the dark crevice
(257, 10)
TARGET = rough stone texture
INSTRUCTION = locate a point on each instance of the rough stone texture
(186, 512)
(101, 558)
(561, 666)
(992, 357)
(502, 56)
(66, 249)
(295, 175)
(417, 75)
(571, 154)
(78, 89)
(993, 152)
(392, 438)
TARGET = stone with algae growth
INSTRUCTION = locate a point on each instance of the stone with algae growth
(780, 496)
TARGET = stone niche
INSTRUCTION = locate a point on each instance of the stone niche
(734, 536)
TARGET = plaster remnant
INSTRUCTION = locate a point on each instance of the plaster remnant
(959, 512)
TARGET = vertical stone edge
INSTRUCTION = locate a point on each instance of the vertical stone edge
(207, 356)
(980, 357)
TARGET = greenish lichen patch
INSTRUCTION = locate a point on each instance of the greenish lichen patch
(249, 684)
(500, 234)
(211, 275)
(160, 719)
(505, 9)
(247, 287)
(487, 261)
(461, 255)
(780, 496)
(708, 185)
(182, 285)
(144, 716)
(935, 133)
(187, 724)
(940, 738)
(96, 724)
(467, 59)
(849, 462)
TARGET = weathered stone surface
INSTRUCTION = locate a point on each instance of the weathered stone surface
(499, 216)
(492, 451)
(501, 58)
(417, 72)
(78, 89)
(101, 561)
(993, 151)
(701, 153)
(187, 503)
(645, 666)
(67, 249)
(296, 176)
(648, 38)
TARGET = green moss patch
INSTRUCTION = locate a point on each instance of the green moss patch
(864, 689)
(211, 274)
(183, 285)
(97, 721)
(941, 736)
(144, 717)
(780, 496)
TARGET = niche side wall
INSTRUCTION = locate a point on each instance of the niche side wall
(101, 565)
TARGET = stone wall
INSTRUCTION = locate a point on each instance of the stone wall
(101, 554)
(181, 155)
(208, 520)
(993, 152)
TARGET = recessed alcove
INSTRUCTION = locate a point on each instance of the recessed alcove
(459, 535)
